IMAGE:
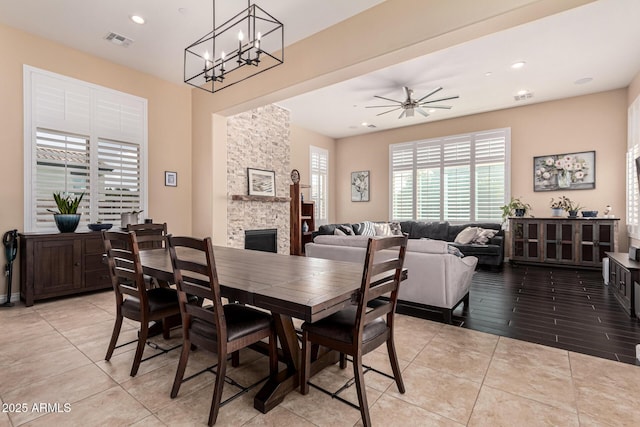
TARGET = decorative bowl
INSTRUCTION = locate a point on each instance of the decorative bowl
(589, 214)
(98, 227)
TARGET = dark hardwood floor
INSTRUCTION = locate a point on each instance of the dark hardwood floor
(559, 307)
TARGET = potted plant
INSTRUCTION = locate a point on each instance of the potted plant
(515, 207)
(557, 207)
(67, 216)
(564, 204)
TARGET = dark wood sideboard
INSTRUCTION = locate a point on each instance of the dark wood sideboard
(579, 242)
(624, 273)
(58, 264)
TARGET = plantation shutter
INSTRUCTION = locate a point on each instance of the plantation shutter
(319, 159)
(458, 178)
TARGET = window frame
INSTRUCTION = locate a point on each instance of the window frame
(92, 130)
(438, 145)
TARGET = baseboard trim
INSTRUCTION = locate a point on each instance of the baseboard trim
(15, 297)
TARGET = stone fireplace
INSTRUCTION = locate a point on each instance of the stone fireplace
(258, 139)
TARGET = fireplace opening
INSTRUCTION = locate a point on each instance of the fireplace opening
(261, 240)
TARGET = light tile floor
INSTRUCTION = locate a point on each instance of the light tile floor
(53, 353)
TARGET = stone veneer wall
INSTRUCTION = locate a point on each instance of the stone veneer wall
(258, 139)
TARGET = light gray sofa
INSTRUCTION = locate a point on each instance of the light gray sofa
(437, 280)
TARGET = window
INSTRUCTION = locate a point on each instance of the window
(633, 152)
(80, 138)
(458, 178)
(319, 158)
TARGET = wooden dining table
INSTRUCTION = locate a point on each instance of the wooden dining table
(289, 286)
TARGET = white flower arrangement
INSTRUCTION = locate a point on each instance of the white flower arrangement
(560, 170)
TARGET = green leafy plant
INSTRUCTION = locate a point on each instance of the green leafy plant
(66, 204)
(510, 208)
(565, 203)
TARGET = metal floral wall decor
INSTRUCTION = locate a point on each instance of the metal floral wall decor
(571, 171)
(360, 186)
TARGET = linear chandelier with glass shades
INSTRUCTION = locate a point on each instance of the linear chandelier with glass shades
(247, 44)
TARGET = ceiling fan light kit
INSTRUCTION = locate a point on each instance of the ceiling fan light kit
(247, 44)
(410, 105)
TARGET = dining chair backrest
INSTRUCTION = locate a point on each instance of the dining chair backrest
(125, 268)
(150, 236)
(199, 279)
(380, 277)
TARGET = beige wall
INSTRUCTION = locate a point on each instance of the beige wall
(301, 140)
(169, 125)
(593, 122)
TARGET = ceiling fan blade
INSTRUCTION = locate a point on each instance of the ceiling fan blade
(381, 106)
(387, 99)
(395, 109)
(407, 93)
(430, 93)
(402, 114)
(442, 107)
(421, 111)
(441, 99)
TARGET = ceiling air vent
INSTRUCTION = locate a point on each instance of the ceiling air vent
(118, 39)
(522, 97)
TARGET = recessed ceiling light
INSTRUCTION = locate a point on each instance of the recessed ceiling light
(583, 80)
(431, 111)
(518, 65)
(365, 124)
(183, 10)
(523, 92)
(137, 19)
(488, 73)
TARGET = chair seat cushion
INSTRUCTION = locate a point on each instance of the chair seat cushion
(160, 299)
(340, 325)
(241, 321)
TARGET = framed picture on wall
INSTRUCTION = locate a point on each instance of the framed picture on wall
(170, 179)
(570, 171)
(360, 186)
(261, 182)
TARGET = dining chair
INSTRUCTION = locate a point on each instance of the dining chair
(151, 236)
(365, 325)
(133, 300)
(220, 328)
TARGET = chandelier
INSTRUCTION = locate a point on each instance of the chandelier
(248, 44)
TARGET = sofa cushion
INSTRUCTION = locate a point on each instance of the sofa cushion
(355, 241)
(383, 229)
(466, 236)
(483, 236)
(454, 230)
(366, 228)
(430, 230)
(478, 250)
(406, 226)
(344, 230)
(396, 229)
(428, 246)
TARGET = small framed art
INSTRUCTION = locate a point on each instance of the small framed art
(261, 182)
(360, 186)
(170, 179)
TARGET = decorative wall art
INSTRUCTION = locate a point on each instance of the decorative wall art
(170, 179)
(571, 171)
(360, 186)
(261, 182)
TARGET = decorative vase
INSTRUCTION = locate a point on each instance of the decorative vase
(564, 180)
(519, 212)
(573, 214)
(67, 223)
(557, 211)
(305, 227)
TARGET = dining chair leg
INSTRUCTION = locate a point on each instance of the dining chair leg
(217, 390)
(235, 358)
(142, 340)
(166, 328)
(343, 361)
(360, 388)
(305, 369)
(114, 337)
(182, 365)
(393, 358)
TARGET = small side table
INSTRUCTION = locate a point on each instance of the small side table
(624, 273)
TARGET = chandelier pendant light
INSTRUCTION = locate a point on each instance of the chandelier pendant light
(248, 44)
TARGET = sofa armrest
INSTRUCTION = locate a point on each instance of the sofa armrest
(498, 240)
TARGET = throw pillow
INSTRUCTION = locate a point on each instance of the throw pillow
(466, 236)
(338, 232)
(383, 229)
(346, 229)
(455, 251)
(367, 228)
(484, 235)
(395, 228)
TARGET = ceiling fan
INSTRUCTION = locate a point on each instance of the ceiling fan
(410, 105)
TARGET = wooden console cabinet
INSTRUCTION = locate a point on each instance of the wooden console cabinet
(623, 274)
(58, 264)
(580, 242)
(301, 212)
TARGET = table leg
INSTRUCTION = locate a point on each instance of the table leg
(287, 380)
